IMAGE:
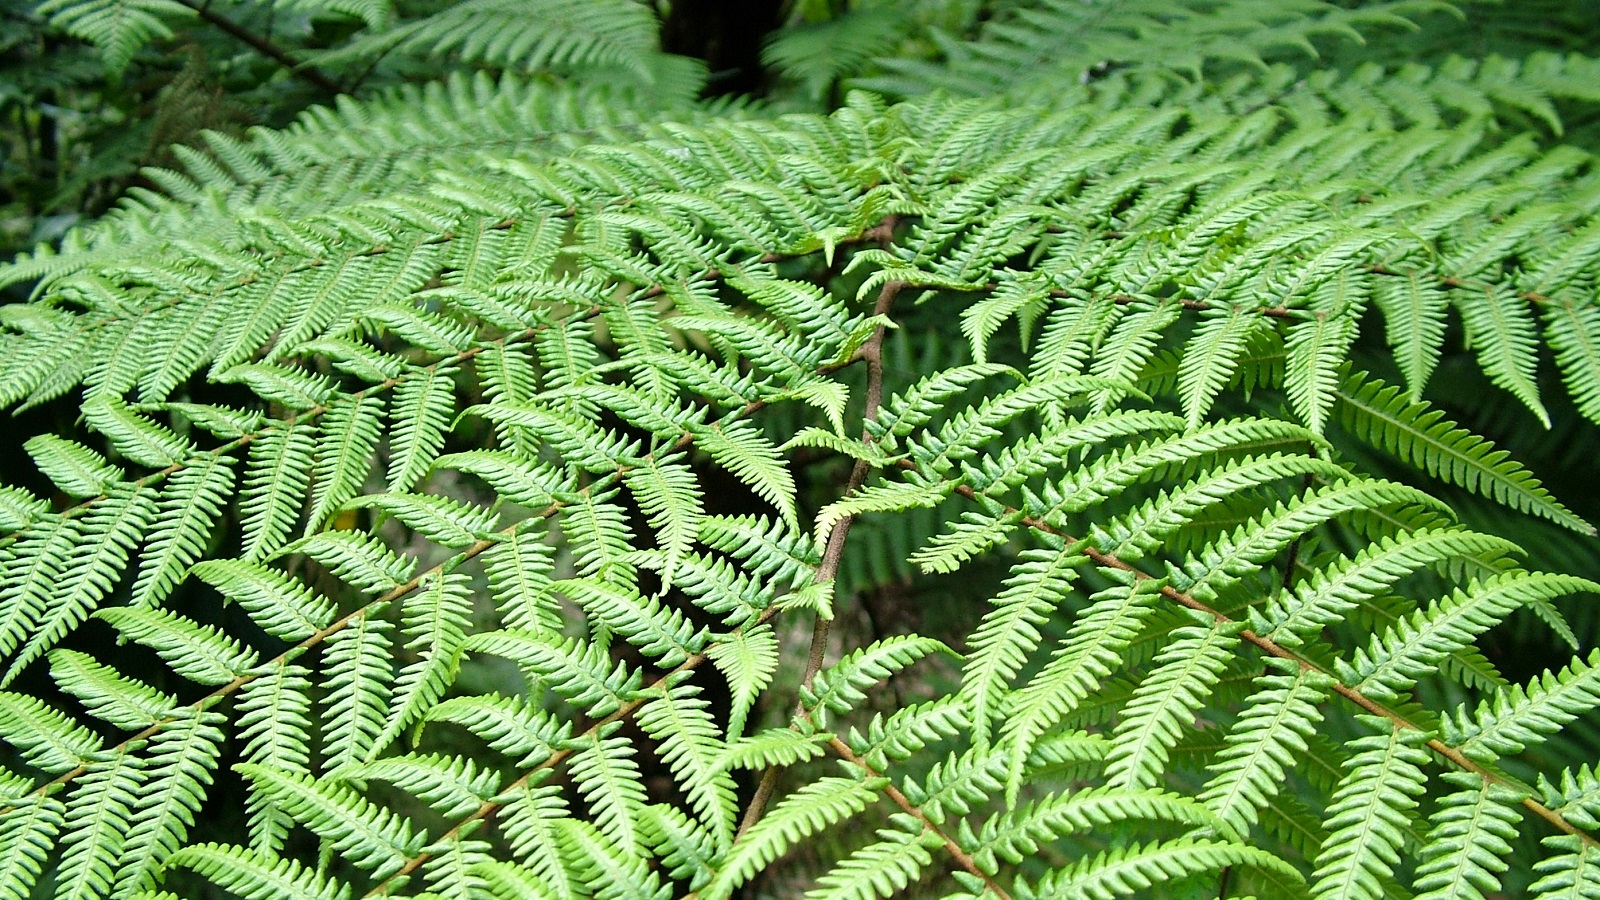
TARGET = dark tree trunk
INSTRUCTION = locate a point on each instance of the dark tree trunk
(727, 34)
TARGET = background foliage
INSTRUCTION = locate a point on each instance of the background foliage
(975, 449)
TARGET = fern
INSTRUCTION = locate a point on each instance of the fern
(503, 488)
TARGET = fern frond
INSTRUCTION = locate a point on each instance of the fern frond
(278, 472)
(1516, 716)
(687, 734)
(1089, 653)
(198, 652)
(47, 738)
(258, 875)
(275, 728)
(1261, 747)
(1422, 436)
(189, 505)
(435, 621)
(282, 606)
(839, 687)
(1010, 631)
(1139, 867)
(882, 868)
(120, 28)
(418, 415)
(176, 772)
(1166, 701)
(1471, 833)
(27, 831)
(358, 692)
(668, 494)
(343, 455)
(370, 836)
(507, 724)
(748, 659)
(823, 803)
(1369, 815)
(98, 820)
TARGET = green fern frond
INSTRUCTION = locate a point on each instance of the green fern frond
(258, 875)
(1369, 815)
(821, 804)
(1471, 831)
(1422, 436)
(120, 28)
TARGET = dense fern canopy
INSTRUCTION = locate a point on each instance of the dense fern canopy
(1041, 448)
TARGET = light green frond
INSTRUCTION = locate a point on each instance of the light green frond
(1020, 834)
(1210, 358)
(177, 771)
(821, 804)
(1574, 874)
(367, 835)
(1517, 716)
(275, 727)
(435, 621)
(109, 532)
(1414, 309)
(120, 28)
(680, 721)
(419, 414)
(609, 780)
(453, 786)
(668, 494)
(1422, 436)
(1166, 701)
(1471, 835)
(27, 832)
(282, 606)
(744, 451)
(1318, 348)
(108, 694)
(198, 652)
(186, 513)
(277, 474)
(1009, 633)
(46, 737)
(1262, 745)
(258, 875)
(1091, 650)
(357, 691)
(748, 659)
(1369, 815)
(70, 466)
(343, 455)
(1415, 645)
(359, 559)
(880, 869)
(1131, 870)
(839, 687)
(98, 819)
(508, 725)
(1336, 589)
(582, 673)
(1501, 328)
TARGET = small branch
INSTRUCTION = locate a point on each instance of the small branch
(264, 47)
(833, 554)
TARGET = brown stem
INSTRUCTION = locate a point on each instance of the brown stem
(265, 47)
(833, 553)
